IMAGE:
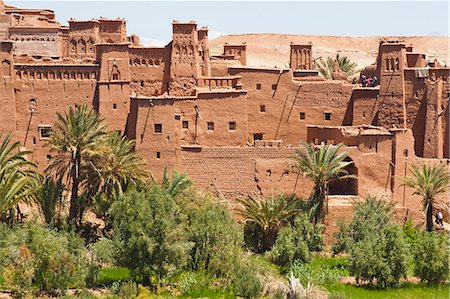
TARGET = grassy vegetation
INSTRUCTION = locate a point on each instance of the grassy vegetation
(109, 275)
(405, 291)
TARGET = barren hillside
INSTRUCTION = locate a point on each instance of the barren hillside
(269, 50)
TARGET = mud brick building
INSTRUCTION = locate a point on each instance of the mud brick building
(233, 128)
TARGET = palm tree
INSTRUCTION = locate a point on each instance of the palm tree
(115, 170)
(178, 184)
(428, 182)
(269, 214)
(325, 67)
(49, 195)
(322, 165)
(78, 140)
(17, 175)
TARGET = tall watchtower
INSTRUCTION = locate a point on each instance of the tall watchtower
(185, 59)
(391, 63)
(301, 57)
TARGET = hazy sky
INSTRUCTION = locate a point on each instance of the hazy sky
(151, 19)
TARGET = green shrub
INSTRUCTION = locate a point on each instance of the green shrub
(104, 252)
(410, 232)
(20, 272)
(128, 290)
(57, 259)
(246, 283)
(431, 257)
(148, 234)
(380, 256)
(295, 242)
(377, 248)
(216, 240)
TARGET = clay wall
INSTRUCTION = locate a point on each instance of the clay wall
(7, 95)
(415, 60)
(363, 107)
(149, 69)
(41, 91)
(36, 41)
(288, 107)
(187, 121)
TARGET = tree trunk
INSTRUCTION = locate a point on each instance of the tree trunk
(269, 239)
(73, 212)
(429, 213)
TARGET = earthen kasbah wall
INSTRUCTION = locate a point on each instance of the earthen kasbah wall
(231, 127)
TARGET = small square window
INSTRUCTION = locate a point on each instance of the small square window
(49, 157)
(258, 86)
(302, 115)
(185, 124)
(262, 108)
(114, 106)
(158, 128)
(177, 117)
(327, 115)
(158, 155)
(210, 126)
(274, 87)
(115, 77)
(34, 140)
(45, 132)
(257, 136)
(232, 125)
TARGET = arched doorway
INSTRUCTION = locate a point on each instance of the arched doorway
(346, 186)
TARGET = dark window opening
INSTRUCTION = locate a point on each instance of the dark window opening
(177, 117)
(34, 140)
(158, 155)
(258, 86)
(257, 136)
(49, 157)
(114, 106)
(45, 132)
(262, 108)
(158, 128)
(232, 125)
(185, 124)
(274, 87)
(346, 186)
(210, 126)
(142, 83)
(115, 77)
(405, 153)
(302, 115)
(327, 115)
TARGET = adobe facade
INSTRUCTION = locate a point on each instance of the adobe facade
(233, 128)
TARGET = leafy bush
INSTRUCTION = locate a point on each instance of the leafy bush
(410, 232)
(246, 283)
(431, 262)
(56, 260)
(377, 248)
(149, 236)
(216, 240)
(295, 242)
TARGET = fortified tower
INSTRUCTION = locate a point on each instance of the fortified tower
(114, 84)
(185, 60)
(391, 63)
(237, 51)
(204, 51)
(301, 57)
